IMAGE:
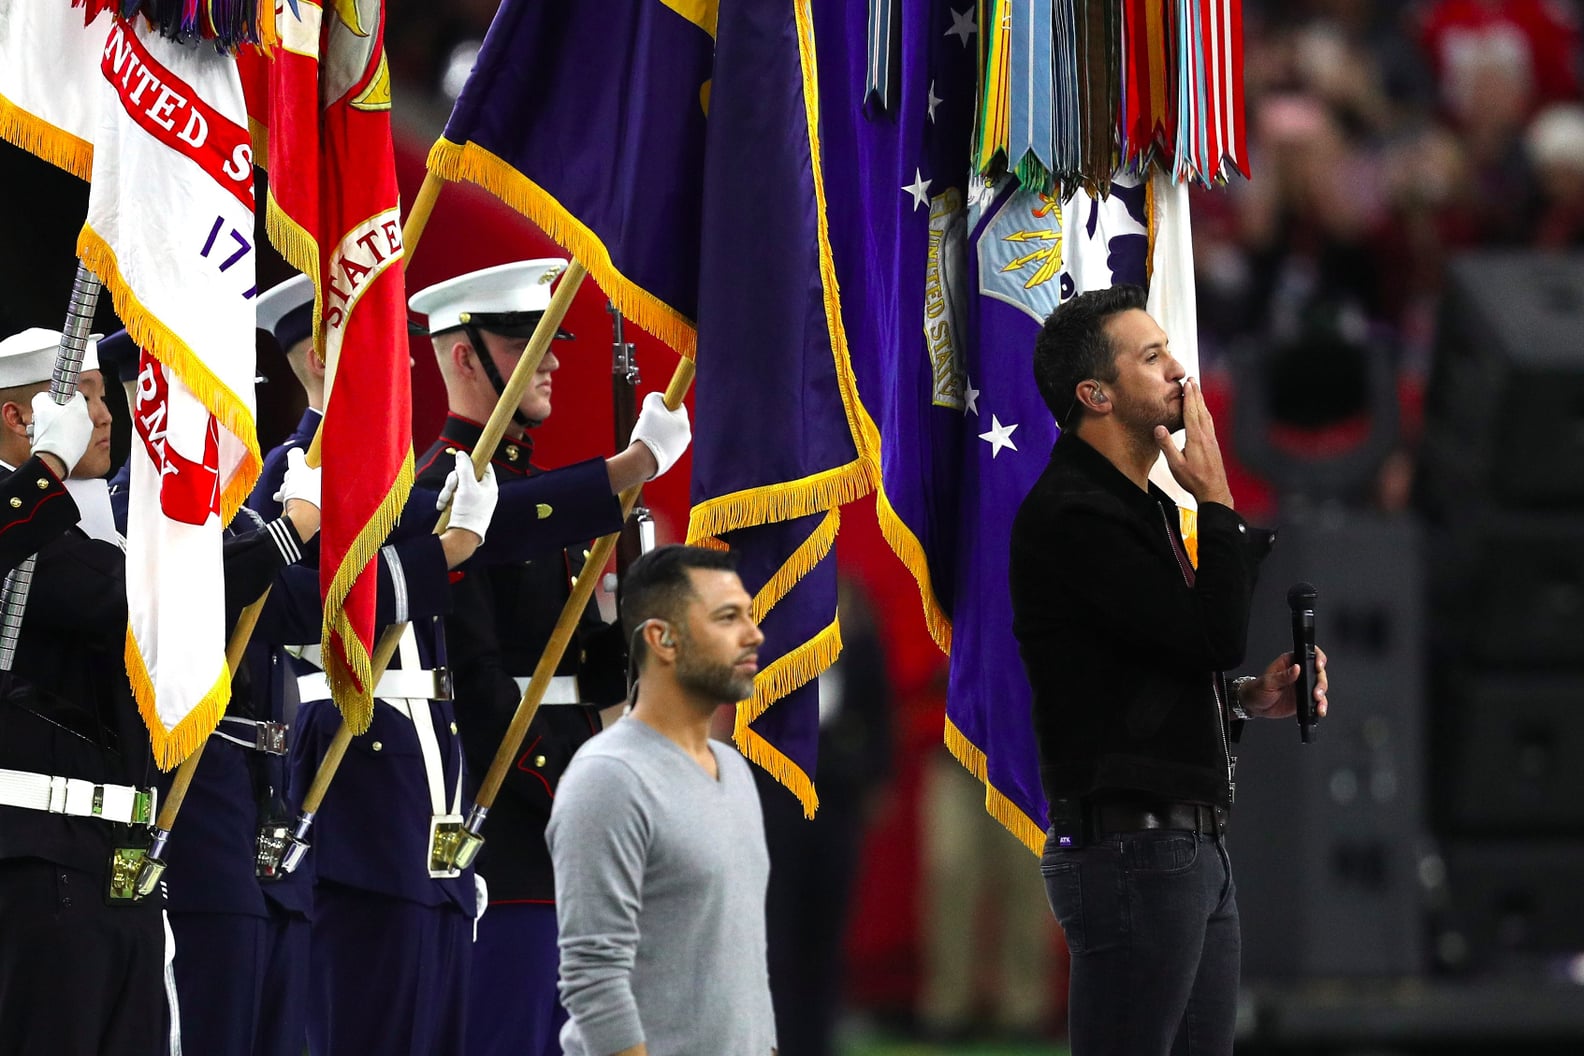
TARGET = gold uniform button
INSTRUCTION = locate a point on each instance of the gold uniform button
(451, 451)
(544, 510)
(511, 454)
(539, 761)
(16, 503)
(376, 746)
(42, 483)
(453, 727)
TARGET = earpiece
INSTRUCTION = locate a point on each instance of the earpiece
(666, 640)
(1099, 397)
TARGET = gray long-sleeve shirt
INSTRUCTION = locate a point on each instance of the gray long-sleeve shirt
(660, 900)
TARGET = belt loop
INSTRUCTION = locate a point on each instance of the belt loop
(57, 795)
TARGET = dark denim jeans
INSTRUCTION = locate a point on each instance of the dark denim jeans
(1152, 924)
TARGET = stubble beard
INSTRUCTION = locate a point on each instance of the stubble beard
(717, 683)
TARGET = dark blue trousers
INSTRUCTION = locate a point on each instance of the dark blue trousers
(1152, 924)
(388, 976)
(242, 982)
(516, 1011)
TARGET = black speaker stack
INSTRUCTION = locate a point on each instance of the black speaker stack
(1328, 838)
(1501, 488)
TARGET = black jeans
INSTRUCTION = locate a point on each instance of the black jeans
(1152, 924)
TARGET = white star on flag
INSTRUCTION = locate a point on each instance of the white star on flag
(971, 401)
(963, 25)
(934, 101)
(919, 189)
(999, 436)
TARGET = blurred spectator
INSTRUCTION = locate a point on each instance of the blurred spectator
(1555, 144)
(987, 929)
(1535, 43)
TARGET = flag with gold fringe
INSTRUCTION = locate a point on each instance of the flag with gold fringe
(322, 101)
(49, 61)
(588, 118)
(782, 442)
(170, 233)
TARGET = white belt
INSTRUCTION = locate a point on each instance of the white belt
(563, 689)
(400, 683)
(76, 797)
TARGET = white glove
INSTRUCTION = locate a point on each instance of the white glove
(472, 501)
(61, 429)
(666, 433)
(300, 482)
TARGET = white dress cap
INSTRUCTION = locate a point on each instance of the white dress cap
(506, 290)
(275, 302)
(29, 357)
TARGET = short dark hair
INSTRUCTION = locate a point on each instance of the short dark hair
(1072, 346)
(657, 587)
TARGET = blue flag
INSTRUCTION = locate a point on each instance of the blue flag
(588, 118)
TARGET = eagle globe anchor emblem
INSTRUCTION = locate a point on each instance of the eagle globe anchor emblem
(352, 65)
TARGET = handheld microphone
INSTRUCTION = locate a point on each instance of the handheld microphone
(1301, 599)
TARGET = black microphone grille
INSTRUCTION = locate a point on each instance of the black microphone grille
(1301, 596)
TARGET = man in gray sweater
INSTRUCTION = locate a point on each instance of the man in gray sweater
(657, 838)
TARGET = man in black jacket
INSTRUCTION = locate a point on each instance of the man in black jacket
(1125, 641)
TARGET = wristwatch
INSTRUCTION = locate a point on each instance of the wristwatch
(1236, 704)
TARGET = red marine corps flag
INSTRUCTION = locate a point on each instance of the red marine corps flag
(170, 233)
(332, 211)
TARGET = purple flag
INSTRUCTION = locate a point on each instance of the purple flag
(588, 118)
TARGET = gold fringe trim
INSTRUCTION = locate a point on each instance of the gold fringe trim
(801, 562)
(149, 332)
(781, 502)
(37, 136)
(299, 248)
(475, 164)
(349, 669)
(174, 745)
(711, 542)
(765, 755)
(1002, 809)
(792, 670)
(910, 552)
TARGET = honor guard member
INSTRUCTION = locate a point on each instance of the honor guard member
(241, 925)
(35, 506)
(393, 927)
(286, 311)
(80, 972)
(500, 620)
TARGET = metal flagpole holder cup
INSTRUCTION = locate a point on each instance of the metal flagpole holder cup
(295, 847)
(445, 842)
(469, 841)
